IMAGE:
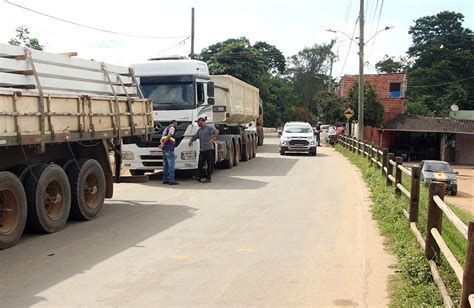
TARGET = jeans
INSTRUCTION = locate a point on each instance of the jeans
(318, 138)
(206, 157)
(168, 166)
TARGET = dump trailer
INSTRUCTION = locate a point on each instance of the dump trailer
(61, 119)
(183, 90)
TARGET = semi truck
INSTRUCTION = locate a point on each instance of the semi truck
(183, 90)
(61, 120)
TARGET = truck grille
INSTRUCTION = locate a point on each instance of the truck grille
(153, 163)
(151, 157)
(299, 142)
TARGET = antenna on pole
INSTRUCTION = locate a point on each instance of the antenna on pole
(192, 34)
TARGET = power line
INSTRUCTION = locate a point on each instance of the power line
(442, 84)
(171, 47)
(350, 45)
(90, 27)
(377, 29)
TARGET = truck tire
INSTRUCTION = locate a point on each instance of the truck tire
(49, 198)
(87, 189)
(254, 146)
(237, 153)
(229, 163)
(137, 172)
(13, 209)
(246, 149)
(250, 144)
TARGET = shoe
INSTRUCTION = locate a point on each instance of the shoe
(197, 178)
(206, 180)
(173, 183)
(166, 182)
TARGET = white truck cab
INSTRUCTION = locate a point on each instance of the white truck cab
(181, 90)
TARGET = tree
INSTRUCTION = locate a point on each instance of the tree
(443, 56)
(331, 107)
(308, 72)
(260, 65)
(391, 65)
(22, 38)
(373, 108)
(273, 57)
(235, 57)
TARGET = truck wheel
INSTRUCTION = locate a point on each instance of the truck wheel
(137, 172)
(282, 152)
(237, 153)
(229, 163)
(245, 152)
(13, 209)
(254, 145)
(49, 198)
(88, 189)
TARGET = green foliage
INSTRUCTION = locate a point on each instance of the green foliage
(308, 72)
(22, 38)
(236, 57)
(331, 107)
(273, 57)
(285, 98)
(412, 286)
(420, 106)
(373, 108)
(443, 55)
(390, 65)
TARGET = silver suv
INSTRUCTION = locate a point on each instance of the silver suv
(298, 137)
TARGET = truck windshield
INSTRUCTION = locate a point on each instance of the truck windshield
(170, 96)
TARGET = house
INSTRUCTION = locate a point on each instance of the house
(418, 138)
(391, 91)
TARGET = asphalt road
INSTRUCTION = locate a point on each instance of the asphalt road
(274, 231)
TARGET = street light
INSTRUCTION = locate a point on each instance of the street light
(361, 43)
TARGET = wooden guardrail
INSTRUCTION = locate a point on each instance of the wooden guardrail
(433, 244)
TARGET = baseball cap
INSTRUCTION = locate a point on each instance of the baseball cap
(203, 117)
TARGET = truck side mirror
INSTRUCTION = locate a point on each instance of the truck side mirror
(211, 101)
(210, 89)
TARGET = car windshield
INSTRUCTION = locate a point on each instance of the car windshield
(438, 167)
(298, 129)
(170, 96)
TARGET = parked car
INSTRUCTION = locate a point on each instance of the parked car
(439, 171)
(298, 137)
(328, 134)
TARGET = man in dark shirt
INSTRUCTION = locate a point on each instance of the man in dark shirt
(168, 143)
(206, 135)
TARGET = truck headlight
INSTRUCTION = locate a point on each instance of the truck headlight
(188, 155)
(127, 155)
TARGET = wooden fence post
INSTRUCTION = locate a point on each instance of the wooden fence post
(398, 175)
(390, 157)
(384, 160)
(369, 155)
(468, 275)
(354, 147)
(435, 216)
(415, 193)
(358, 145)
(364, 148)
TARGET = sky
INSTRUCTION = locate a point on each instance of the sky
(290, 25)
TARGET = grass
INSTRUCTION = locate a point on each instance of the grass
(412, 285)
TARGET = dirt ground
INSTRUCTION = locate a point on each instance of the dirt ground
(465, 197)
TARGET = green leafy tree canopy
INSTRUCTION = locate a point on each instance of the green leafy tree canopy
(22, 38)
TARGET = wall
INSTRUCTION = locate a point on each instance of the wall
(381, 83)
(465, 149)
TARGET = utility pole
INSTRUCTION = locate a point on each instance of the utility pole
(360, 116)
(192, 34)
(330, 75)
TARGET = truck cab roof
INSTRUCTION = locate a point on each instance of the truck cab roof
(171, 68)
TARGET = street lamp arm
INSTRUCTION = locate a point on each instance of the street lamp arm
(376, 33)
(345, 34)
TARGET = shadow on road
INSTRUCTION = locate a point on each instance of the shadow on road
(54, 258)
